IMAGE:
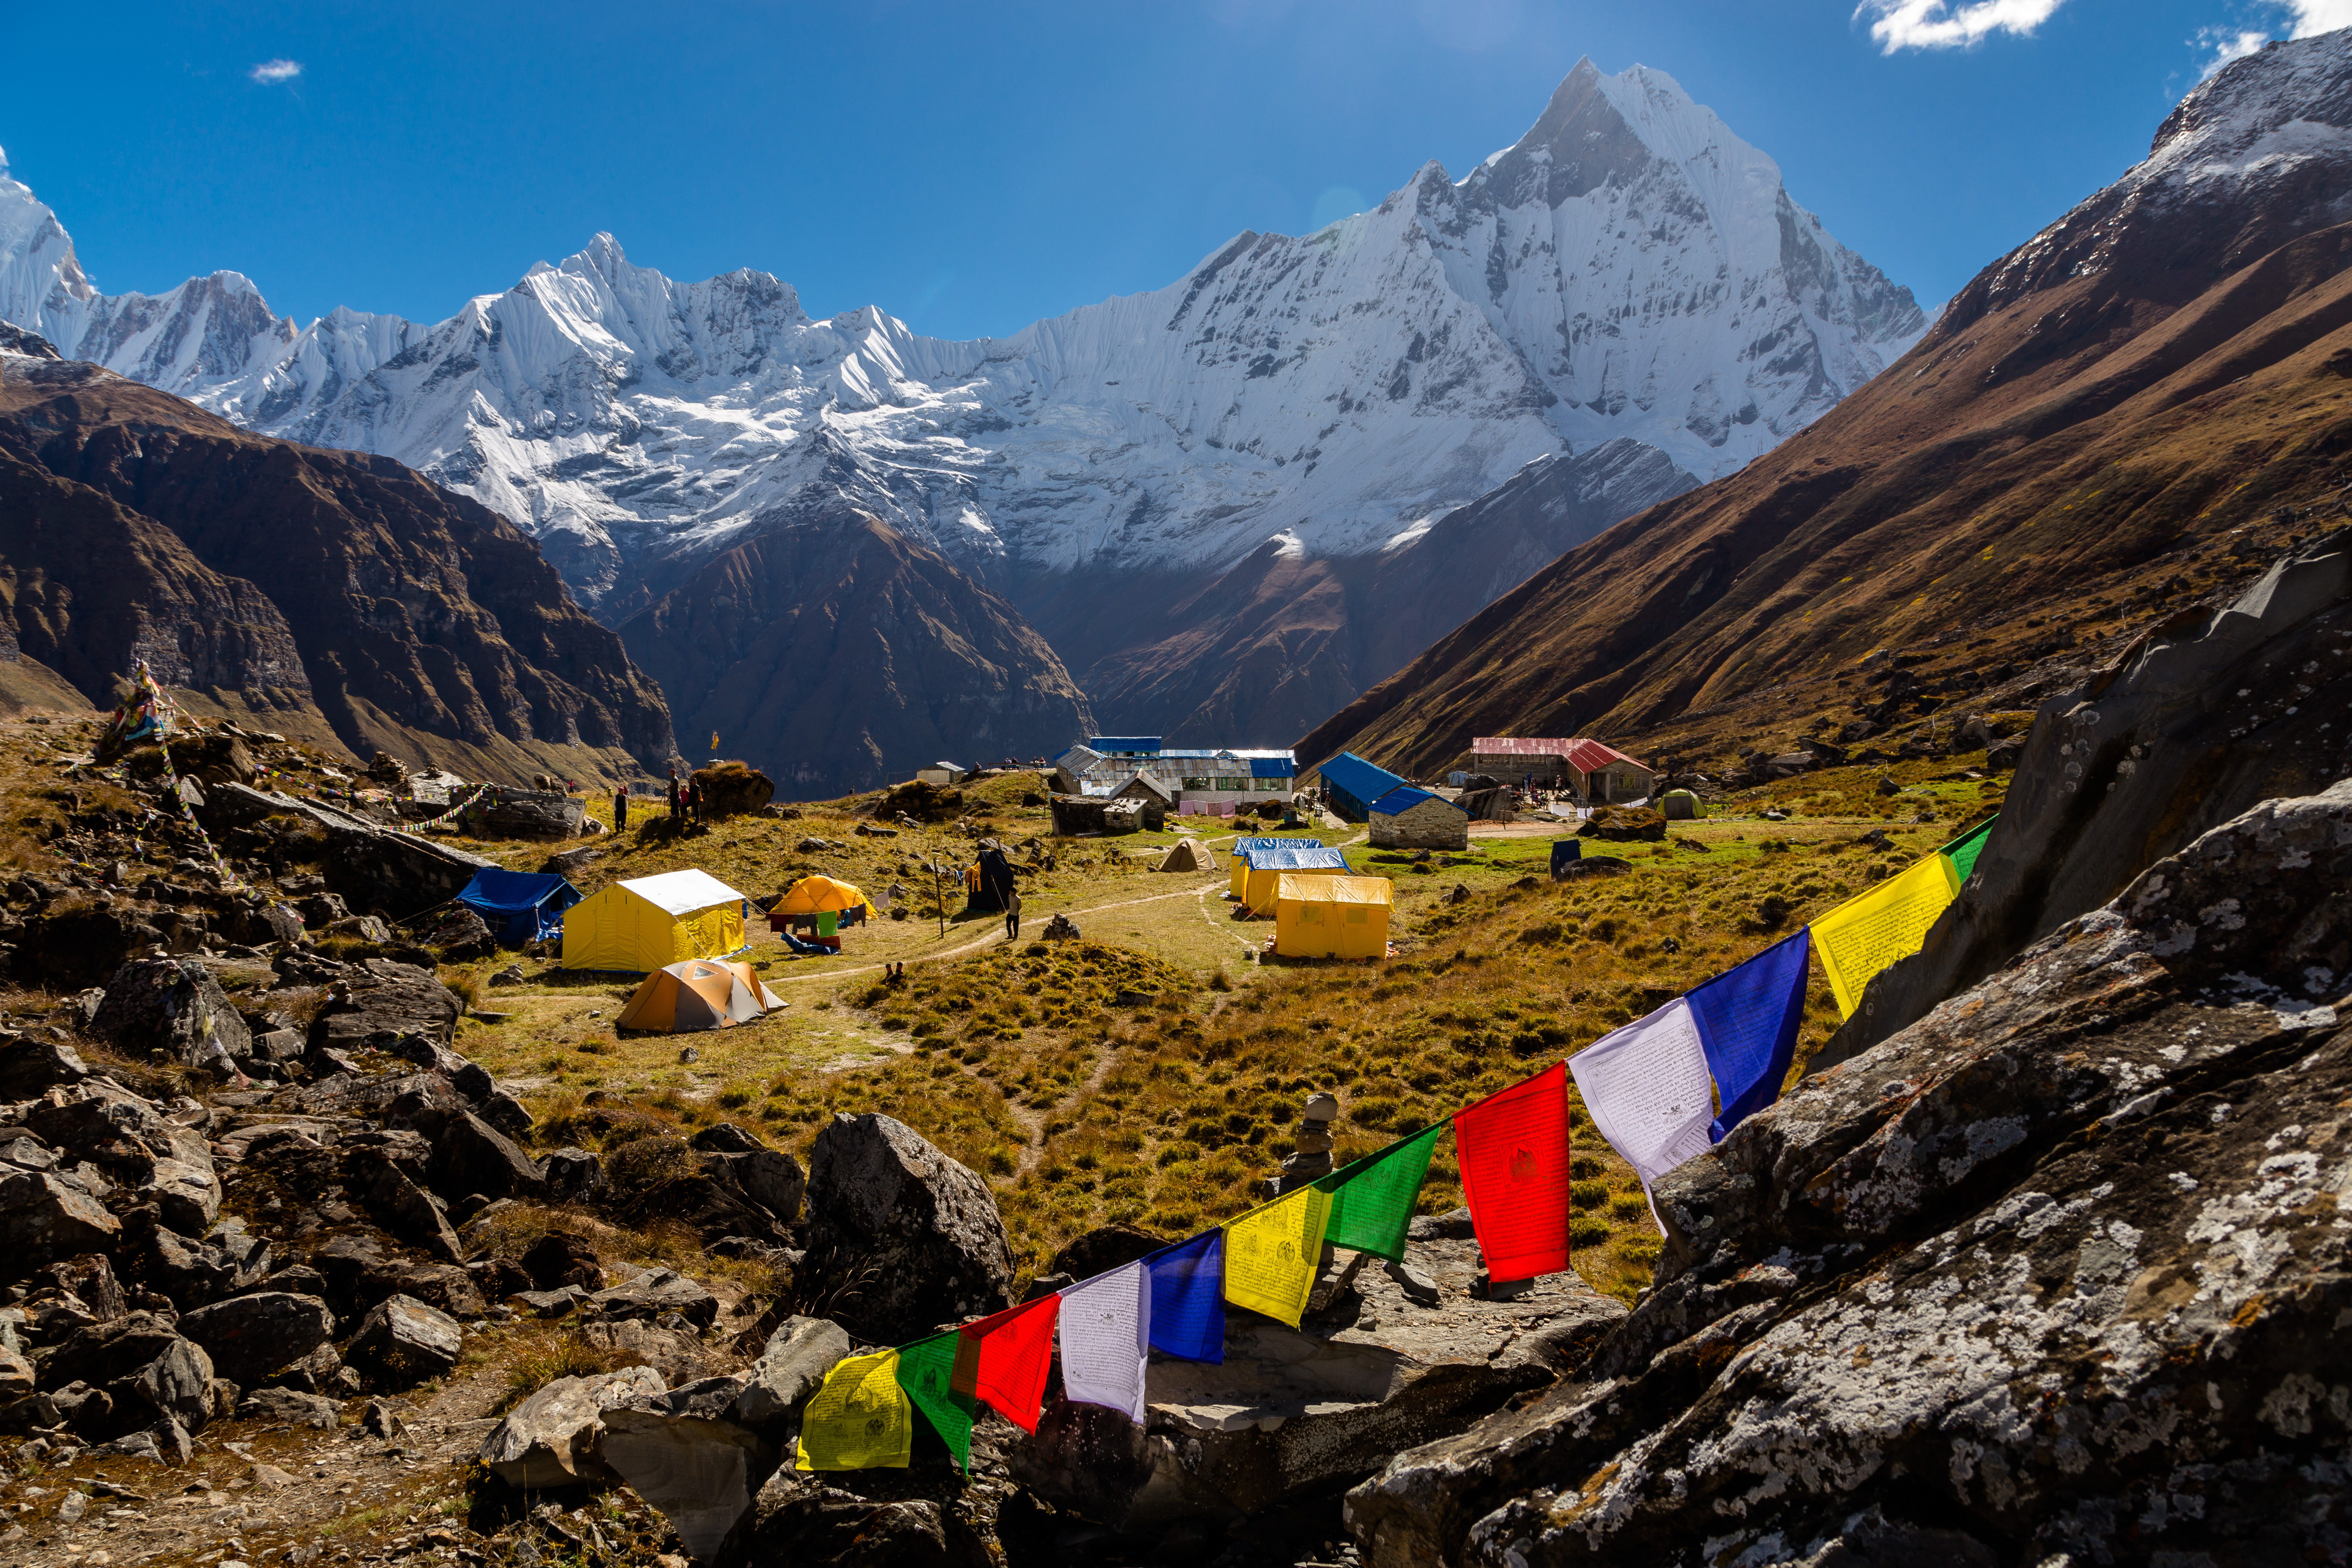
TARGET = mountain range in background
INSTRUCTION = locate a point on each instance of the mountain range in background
(2135, 409)
(1219, 510)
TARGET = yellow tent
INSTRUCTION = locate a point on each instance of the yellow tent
(653, 921)
(696, 995)
(821, 895)
(1326, 916)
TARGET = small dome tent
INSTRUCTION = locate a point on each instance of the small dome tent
(696, 995)
(653, 921)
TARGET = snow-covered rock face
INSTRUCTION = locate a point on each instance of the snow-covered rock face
(1630, 268)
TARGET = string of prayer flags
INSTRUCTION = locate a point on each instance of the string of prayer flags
(1372, 1198)
(1272, 1254)
(1106, 1334)
(1188, 1295)
(1513, 1150)
(1747, 1022)
(1874, 929)
(860, 1420)
(1646, 1088)
(1963, 852)
(1005, 1359)
(927, 1374)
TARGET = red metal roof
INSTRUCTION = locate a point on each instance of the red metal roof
(1583, 755)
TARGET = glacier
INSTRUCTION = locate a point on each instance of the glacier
(1630, 268)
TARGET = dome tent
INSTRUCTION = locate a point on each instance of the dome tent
(699, 994)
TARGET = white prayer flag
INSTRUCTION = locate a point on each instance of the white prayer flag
(1647, 1089)
(1105, 1329)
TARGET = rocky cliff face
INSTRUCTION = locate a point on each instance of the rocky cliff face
(2056, 1273)
(2094, 431)
(839, 657)
(273, 578)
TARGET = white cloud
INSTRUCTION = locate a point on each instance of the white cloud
(270, 72)
(1943, 25)
(2302, 19)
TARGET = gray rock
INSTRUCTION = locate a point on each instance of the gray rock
(2071, 1244)
(195, 1272)
(681, 1358)
(290, 1408)
(403, 1341)
(401, 874)
(1291, 1413)
(681, 1453)
(176, 1006)
(30, 1065)
(560, 1258)
(386, 1000)
(146, 1368)
(551, 1438)
(470, 1155)
(399, 1205)
(574, 1177)
(655, 1292)
(900, 1237)
(250, 1337)
(863, 1518)
(798, 1355)
(45, 1217)
(550, 1303)
(167, 1165)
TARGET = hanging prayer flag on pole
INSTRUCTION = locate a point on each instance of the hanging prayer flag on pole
(1106, 1334)
(1372, 1198)
(860, 1419)
(1747, 1022)
(1513, 1150)
(1963, 852)
(1873, 930)
(1646, 1088)
(1008, 1356)
(927, 1374)
(1187, 1298)
(1272, 1254)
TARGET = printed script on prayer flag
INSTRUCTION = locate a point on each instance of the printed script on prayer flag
(1273, 1254)
(1513, 1151)
(860, 1419)
(1646, 1088)
(1016, 1356)
(927, 1374)
(1873, 930)
(1747, 1021)
(1106, 1333)
(1373, 1199)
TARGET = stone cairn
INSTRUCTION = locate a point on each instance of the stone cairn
(1312, 1157)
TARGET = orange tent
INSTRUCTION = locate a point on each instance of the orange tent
(700, 993)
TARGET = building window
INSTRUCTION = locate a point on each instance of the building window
(1232, 786)
(1194, 782)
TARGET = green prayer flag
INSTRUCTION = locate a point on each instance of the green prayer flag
(927, 1372)
(1372, 1198)
(1962, 851)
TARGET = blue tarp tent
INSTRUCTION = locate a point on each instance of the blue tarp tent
(519, 906)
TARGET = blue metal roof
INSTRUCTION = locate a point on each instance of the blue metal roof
(1399, 801)
(1366, 781)
(1125, 742)
(1272, 767)
(1290, 857)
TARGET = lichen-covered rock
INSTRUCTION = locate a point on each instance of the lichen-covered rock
(403, 1341)
(2058, 1272)
(382, 1000)
(249, 1337)
(551, 1438)
(44, 1217)
(901, 1237)
(791, 1367)
(174, 1006)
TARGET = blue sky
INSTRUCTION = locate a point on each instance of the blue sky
(971, 167)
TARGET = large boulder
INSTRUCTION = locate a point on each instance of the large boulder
(1398, 1357)
(250, 1337)
(383, 1000)
(144, 1369)
(768, 1177)
(165, 1163)
(657, 1293)
(403, 1341)
(471, 1156)
(2056, 1273)
(394, 1199)
(374, 867)
(551, 1438)
(531, 814)
(30, 1065)
(174, 1006)
(732, 789)
(45, 1217)
(862, 1519)
(791, 1367)
(680, 1452)
(901, 1237)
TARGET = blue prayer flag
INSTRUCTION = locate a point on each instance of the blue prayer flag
(1187, 1298)
(1747, 1024)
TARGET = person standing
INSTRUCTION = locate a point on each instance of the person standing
(620, 808)
(1013, 915)
(693, 802)
(673, 791)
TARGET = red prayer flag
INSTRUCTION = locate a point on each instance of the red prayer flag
(1513, 1151)
(1004, 1359)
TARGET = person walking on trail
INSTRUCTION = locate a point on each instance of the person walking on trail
(619, 808)
(1013, 916)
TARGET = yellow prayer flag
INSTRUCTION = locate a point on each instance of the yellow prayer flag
(1872, 929)
(1272, 1254)
(860, 1420)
